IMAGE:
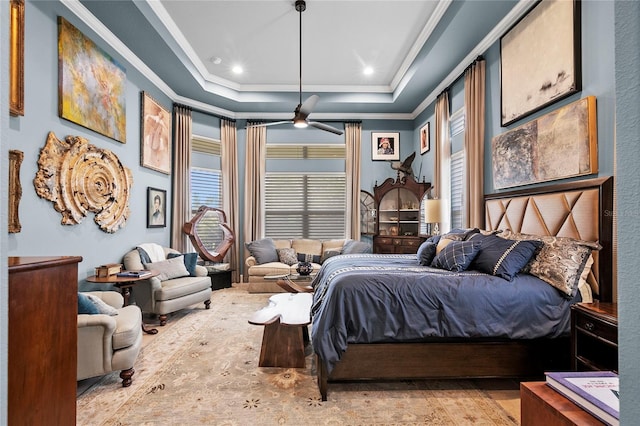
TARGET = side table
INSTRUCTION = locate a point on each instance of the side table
(594, 336)
(125, 285)
(293, 283)
(220, 279)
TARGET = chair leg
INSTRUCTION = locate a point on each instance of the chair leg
(125, 375)
(163, 320)
(207, 304)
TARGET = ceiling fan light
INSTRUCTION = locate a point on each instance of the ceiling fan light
(300, 124)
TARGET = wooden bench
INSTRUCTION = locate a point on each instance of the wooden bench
(285, 320)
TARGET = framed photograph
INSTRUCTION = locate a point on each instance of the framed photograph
(155, 135)
(557, 145)
(540, 59)
(156, 208)
(425, 144)
(91, 84)
(16, 58)
(385, 146)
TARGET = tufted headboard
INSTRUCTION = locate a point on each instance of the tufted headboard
(582, 210)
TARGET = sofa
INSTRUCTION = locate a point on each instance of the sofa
(280, 257)
(180, 284)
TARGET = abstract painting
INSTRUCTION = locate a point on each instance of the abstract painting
(91, 85)
(558, 145)
(540, 60)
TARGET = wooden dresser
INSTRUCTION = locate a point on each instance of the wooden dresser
(43, 330)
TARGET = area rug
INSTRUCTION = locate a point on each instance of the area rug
(204, 370)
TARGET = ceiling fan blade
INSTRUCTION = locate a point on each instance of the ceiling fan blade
(308, 105)
(326, 127)
(273, 123)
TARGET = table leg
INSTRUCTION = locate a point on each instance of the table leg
(126, 294)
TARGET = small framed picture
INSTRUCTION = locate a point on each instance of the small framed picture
(424, 139)
(156, 208)
(155, 149)
(385, 146)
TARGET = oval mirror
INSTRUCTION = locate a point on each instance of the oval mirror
(209, 233)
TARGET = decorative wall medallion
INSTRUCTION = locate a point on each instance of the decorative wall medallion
(79, 177)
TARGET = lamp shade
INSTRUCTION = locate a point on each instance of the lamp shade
(431, 210)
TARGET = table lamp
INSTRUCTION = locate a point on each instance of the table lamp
(432, 214)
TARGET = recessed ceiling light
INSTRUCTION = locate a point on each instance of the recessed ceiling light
(216, 60)
(367, 71)
(237, 69)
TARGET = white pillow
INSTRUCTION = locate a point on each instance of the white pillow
(102, 306)
(170, 268)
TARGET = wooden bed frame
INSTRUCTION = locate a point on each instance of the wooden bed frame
(581, 209)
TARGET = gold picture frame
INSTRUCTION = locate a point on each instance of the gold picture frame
(155, 135)
(16, 58)
(15, 190)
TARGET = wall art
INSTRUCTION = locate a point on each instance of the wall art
(155, 143)
(385, 146)
(425, 143)
(15, 190)
(16, 58)
(80, 178)
(91, 84)
(560, 144)
(156, 208)
(540, 59)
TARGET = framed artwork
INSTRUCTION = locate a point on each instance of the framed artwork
(558, 145)
(385, 146)
(91, 85)
(540, 59)
(156, 208)
(16, 58)
(425, 143)
(155, 144)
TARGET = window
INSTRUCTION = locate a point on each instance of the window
(305, 192)
(457, 126)
(206, 185)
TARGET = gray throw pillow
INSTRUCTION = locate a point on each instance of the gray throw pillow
(353, 246)
(263, 250)
(101, 306)
(169, 269)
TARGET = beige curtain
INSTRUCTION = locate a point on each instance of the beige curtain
(474, 94)
(353, 142)
(181, 177)
(255, 168)
(442, 161)
(230, 189)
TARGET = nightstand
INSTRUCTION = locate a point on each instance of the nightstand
(594, 336)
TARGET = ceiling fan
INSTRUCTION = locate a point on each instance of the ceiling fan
(303, 110)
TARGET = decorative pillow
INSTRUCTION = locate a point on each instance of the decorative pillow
(85, 306)
(560, 262)
(427, 250)
(98, 306)
(456, 256)
(190, 261)
(354, 246)
(169, 269)
(501, 257)
(287, 256)
(455, 234)
(329, 253)
(263, 250)
(302, 257)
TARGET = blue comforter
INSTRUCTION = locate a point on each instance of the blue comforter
(372, 298)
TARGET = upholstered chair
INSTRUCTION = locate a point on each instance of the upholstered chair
(174, 288)
(111, 341)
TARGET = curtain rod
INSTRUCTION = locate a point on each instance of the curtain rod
(479, 58)
(201, 111)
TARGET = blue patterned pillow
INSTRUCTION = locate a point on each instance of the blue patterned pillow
(427, 250)
(501, 257)
(456, 256)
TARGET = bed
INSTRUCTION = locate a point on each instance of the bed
(386, 317)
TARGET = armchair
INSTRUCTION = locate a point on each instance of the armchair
(162, 296)
(109, 343)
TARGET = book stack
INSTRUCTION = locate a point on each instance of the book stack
(134, 274)
(104, 271)
(597, 392)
